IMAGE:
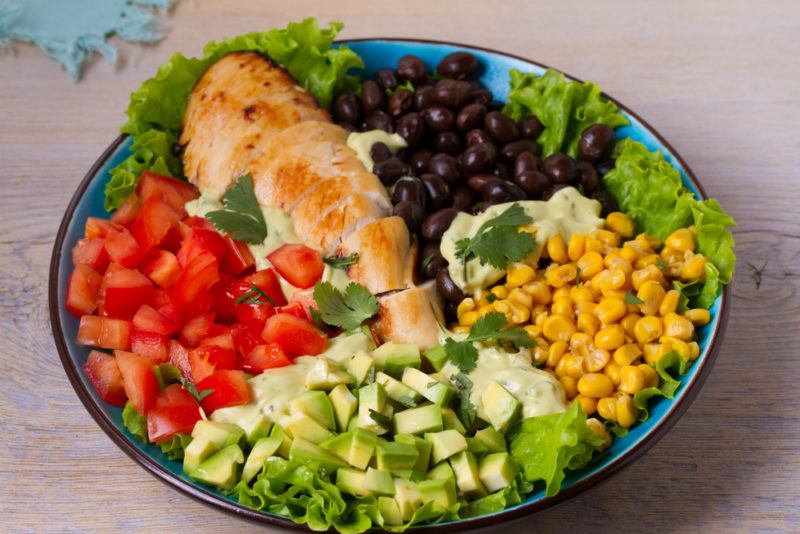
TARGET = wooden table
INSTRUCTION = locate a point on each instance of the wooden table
(718, 79)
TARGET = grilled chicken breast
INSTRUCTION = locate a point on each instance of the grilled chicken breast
(411, 316)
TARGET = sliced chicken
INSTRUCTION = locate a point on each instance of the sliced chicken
(411, 316)
(339, 221)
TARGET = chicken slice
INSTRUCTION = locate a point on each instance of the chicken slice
(411, 316)
(338, 221)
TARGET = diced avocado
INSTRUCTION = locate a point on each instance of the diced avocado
(442, 470)
(394, 455)
(426, 418)
(397, 391)
(445, 444)
(263, 449)
(476, 447)
(220, 434)
(378, 482)
(196, 452)
(427, 386)
(407, 496)
(359, 365)
(362, 447)
(351, 481)
(465, 467)
(389, 511)
(344, 405)
(286, 441)
(316, 405)
(393, 358)
(338, 445)
(221, 468)
(437, 357)
(352, 423)
(326, 375)
(424, 448)
(493, 440)
(451, 421)
(301, 425)
(500, 406)
(441, 491)
(497, 471)
(248, 417)
(307, 453)
(409, 474)
(371, 398)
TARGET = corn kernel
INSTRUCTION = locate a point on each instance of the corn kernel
(627, 413)
(629, 253)
(607, 408)
(648, 329)
(649, 241)
(486, 308)
(587, 323)
(576, 247)
(581, 343)
(629, 322)
(520, 297)
(611, 370)
(500, 292)
(555, 353)
(558, 328)
(627, 354)
(698, 316)
(599, 430)
(515, 314)
(608, 238)
(614, 261)
(590, 264)
(520, 274)
(588, 404)
(681, 239)
(654, 352)
(678, 345)
(580, 293)
(563, 306)
(466, 305)
(561, 368)
(533, 331)
(620, 223)
(595, 385)
(468, 318)
(694, 268)
(610, 310)
(669, 304)
(650, 375)
(610, 337)
(678, 326)
(651, 294)
(539, 292)
(694, 349)
(570, 386)
(646, 274)
(631, 379)
(573, 365)
(539, 355)
(561, 275)
(647, 261)
(540, 318)
(593, 245)
(596, 360)
(562, 293)
(557, 249)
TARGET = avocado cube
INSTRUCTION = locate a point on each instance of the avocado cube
(307, 453)
(371, 398)
(338, 445)
(445, 444)
(409, 474)
(451, 421)
(221, 468)
(359, 365)
(397, 391)
(196, 452)
(492, 439)
(379, 482)
(424, 448)
(441, 491)
(286, 442)
(263, 449)
(344, 405)
(497, 471)
(465, 467)
(437, 357)
(427, 386)
(441, 470)
(389, 511)
(248, 417)
(407, 496)
(326, 374)
(476, 447)
(394, 455)
(393, 358)
(302, 426)
(426, 418)
(316, 405)
(500, 406)
(362, 447)
(220, 434)
(351, 481)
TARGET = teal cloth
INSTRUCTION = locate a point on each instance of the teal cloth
(70, 31)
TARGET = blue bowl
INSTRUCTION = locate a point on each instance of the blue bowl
(377, 53)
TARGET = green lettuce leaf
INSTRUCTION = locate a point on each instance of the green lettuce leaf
(497, 501)
(134, 422)
(669, 366)
(546, 446)
(564, 108)
(174, 448)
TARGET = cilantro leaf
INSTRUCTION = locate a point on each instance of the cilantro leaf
(315, 316)
(346, 309)
(407, 401)
(630, 298)
(499, 241)
(255, 296)
(463, 354)
(198, 395)
(241, 216)
(489, 327)
(379, 418)
(341, 262)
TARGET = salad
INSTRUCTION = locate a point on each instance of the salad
(391, 301)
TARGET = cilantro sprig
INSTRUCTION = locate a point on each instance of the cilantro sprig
(341, 262)
(381, 419)
(347, 309)
(241, 216)
(489, 328)
(466, 410)
(255, 296)
(198, 395)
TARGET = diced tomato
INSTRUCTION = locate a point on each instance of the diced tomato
(122, 248)
(199, 365)
(238, 258)
(229, 389)
(126, 212)
(82, 290)
(167, 305)
(297, 337)
(174, 192)
(254, 314)
(97, 227)
(139, 380)
(199, 240)
(153, 223)
(91, 252)
(206, 359)
(299, 265)
(150, 345)
(306, 299)
(104, 332)
(245, 338)
(219, 330)
(179, 357)
(162, 268)
(149, 319)
(102, 371)
(197, 329)
(123, 292)
(296, 309)
(224, 293)
(267, 281)
(174, 411)
(265, 357)
(197, 279)
(222, 339)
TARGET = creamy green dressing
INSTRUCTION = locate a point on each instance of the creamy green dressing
(361, 143)
(566, 213)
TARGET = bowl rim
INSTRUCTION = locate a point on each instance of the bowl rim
(677, 408)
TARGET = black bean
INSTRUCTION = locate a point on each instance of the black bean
(553, 190)
(590, 180)
(379, 120)
(495, 106)
(445, 166)
(419, 160)
(450, 312)
(604, 166)
(372, 96)
(438, 191)
(423, 97)
(479, 158)
(464, 198)
(390, 170)
(561, 169)
(501, 128)
(511, 150)
(530, 128)
(409, 189)
(399, 103)
(437, 223)
(448, 142)
(412, 213)
(349, 128)
(477, 136)
(498, 191)
(347, 108)
(411, 128)
(534, 183)
(387, 78)
(447, 288)
(481, 207)
(452, 93)
(526, 161)
(480, 182)
(458, 65)
(607, 202)
(517, 193)
(595, 142)
(471, 116)
(438, 118)
(411, 68)
(379, 152)
(482, 96)
(504, 171)
(432, 261)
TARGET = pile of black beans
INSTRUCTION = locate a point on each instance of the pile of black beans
(463, 154)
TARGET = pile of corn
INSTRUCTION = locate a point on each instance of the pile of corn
(602, 312)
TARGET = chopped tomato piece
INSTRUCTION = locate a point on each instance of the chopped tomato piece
(174, 192)
(163, 269)
(175, 411)
(153, 223)
(97, 227)
(91, 252)
(123, 292)
(197, 279)
(225, 298)
(199, 240)
(223, 339)
(197, 329)
(229, 389)
(245, 338)
(82, 290)
(297, 337)
(254, 314)
(139, 380)
(123, 248)
(299, 265)
(238, 258)
(126, 212)
(206, 359)
(104, 332)
(265, 357)
(179, 357)
(150, 345)
(296, 309)
(306, 299)
(149, 319)
(267, 281)
(102, 371)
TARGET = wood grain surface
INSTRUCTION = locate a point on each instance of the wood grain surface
(717, 78)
